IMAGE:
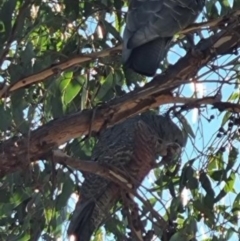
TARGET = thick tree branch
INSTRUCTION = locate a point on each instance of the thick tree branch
(60, 67)
(18, 152)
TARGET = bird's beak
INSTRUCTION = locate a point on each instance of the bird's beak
(174, 150)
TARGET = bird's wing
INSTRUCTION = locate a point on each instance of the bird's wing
(114, 148)
(142, 14)
(98, 195)
(151, 19)
(132, 146)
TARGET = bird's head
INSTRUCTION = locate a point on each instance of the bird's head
(171, 139)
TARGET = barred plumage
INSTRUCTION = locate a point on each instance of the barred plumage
(132, 146)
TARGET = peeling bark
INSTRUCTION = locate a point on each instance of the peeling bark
(17, 152)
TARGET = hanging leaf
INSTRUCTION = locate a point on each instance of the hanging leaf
(206, 184)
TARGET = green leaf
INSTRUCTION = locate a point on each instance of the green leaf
(229, 187)
(186, 126)
(176, 206)
(190, 226)
(99, 235)
(67, 190)
(193, 183)
(215, 162)
(65, 80)
(187, 176)
(219, 175)
(26, 57)
(6, 119)
(71, 91)
(206, 184)
(179, 237)
(18, 106)
(233, 96)
(212, 10)
(84, 93)
(6, 16)
(236, 203)
(230, 233)
(232, 158)
(2, 27)
(204, 208)
(115, 226)
(106, 85)
(193, 225)
(226, 118)
(225, 7)
(55, 105)
(118, 78)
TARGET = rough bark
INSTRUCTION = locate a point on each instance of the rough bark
(17, 152)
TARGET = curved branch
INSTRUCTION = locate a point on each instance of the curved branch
(58, 68)
(54, 70)
(18, 152)
(109, 173)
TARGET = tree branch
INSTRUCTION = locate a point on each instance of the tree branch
(60, 67)
(54, 70)
(111, 173)
(16, 150)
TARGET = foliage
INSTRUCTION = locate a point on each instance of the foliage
(34, 202)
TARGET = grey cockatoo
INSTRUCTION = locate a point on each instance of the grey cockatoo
(132, 146)
(150, 26)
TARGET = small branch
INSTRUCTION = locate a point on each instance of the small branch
(212, 23)
(57, 132)
(55, 69)
(131, 210)
(108, 172)
(60, 67)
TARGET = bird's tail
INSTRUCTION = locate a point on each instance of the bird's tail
(80, 226)
(146, 58)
